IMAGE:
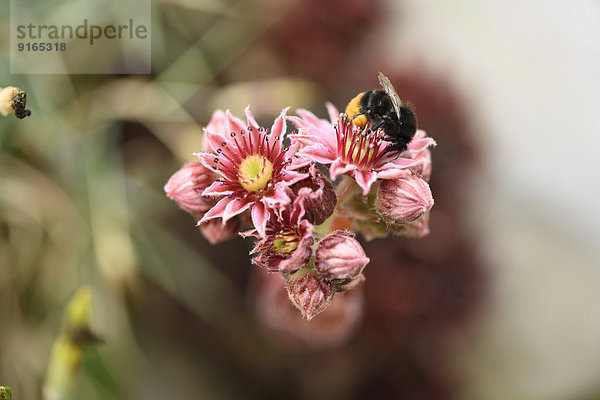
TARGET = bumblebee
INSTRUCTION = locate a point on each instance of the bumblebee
(376, 109)
(19, 104)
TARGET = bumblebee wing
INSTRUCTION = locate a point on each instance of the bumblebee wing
(389, 89)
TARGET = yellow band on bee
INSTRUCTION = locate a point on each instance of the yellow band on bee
(353, 107)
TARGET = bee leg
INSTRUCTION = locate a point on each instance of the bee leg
(376, 127)
(394, 148)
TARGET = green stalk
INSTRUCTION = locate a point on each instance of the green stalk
(347, 189)
(344, 192)
(68, 349)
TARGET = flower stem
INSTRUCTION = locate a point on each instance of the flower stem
(69, 348)
(346, 190)
(309, 267)
(323, 229)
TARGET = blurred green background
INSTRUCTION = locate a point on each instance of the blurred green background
(499, 302)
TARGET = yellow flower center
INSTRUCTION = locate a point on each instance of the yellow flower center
(255, 173)
(285, 242)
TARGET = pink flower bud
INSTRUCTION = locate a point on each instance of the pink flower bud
(309, 293)
(334, 326)
(215, 231)
(340, 256)
(318, 196)
(404, 200)
(186, 185)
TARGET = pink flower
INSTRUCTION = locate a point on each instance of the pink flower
(348, 149)
(403, 200)
(254, 167)
(339, 256)
(309, 293)
(286, 245)
(185, 187)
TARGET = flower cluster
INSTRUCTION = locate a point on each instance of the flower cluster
(261, 183)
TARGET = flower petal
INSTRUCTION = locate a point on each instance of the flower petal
(218, 189)
(308, 116)
(279, 198)
(398, 168)
(217, 122)
(393, 173)
(278, 130)
(279, 125)
(297, 162)
(235, 207)
(299, 122)
(234, 124)
(319, 153)
(212, 140)
(365, 179)
(216, 211)
(207, 159)
(334, 114)
(299, 258)
(251, 232)
(420, 142)
(400, 162)
(292, 177)
(260, 216)
(250, 119)
(216, 126)
(338, 167)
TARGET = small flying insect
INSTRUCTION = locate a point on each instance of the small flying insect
(19, 104)
(376, 109)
